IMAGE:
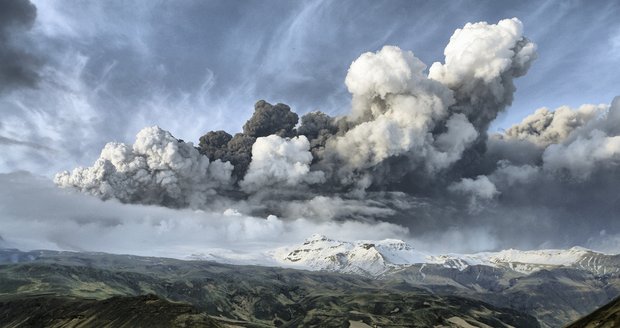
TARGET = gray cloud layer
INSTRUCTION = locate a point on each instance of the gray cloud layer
(35, 214)
(18, 64)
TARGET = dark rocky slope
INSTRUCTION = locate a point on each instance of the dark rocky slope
(607, 316)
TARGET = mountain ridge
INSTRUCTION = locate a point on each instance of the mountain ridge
(381, 257)
(555, 292)
(232, 295)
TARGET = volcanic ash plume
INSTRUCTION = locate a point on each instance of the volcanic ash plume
(395, 106)
(571, 143)
(414, 150)
(277, 161)
(402, 122)
(546, 127)
(429, 121)
(594, 147)
(157, 169)
(481, 62)
(267, 120)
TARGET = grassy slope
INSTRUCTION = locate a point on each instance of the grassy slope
(252, 296)
(607, 316)
(117, 311)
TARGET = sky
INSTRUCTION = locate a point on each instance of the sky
(432, 132)
(106, 70)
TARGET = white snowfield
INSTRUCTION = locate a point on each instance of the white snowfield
(376, 258)
(362, 257)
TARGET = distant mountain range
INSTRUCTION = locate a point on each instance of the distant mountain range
(385, 257)
(556, 286)
(60, 289)
(380, 283)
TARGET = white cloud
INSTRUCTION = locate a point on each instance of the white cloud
(280, 161)
(397, 105)
(157, 169)
(482, 51)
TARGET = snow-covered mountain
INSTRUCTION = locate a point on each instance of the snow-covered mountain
(532, 261)
(361, 257)
(376, 258)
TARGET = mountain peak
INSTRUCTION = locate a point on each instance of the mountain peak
(367, 257)
(580, 249)
(316, 238)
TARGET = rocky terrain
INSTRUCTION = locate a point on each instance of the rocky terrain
(607, 316)
(374, 283)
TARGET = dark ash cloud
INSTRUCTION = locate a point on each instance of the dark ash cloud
(19, 67)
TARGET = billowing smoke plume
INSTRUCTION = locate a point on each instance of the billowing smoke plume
(157, 169)
(414, 150)
(546, 127)
(18, 66)
(280, 162)
(267, 120)
(595, 146)
(560, 170)
(396, 107)
(567, 143)
(580, 157)
(481, 62)
(403, 122)
(318, 127)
